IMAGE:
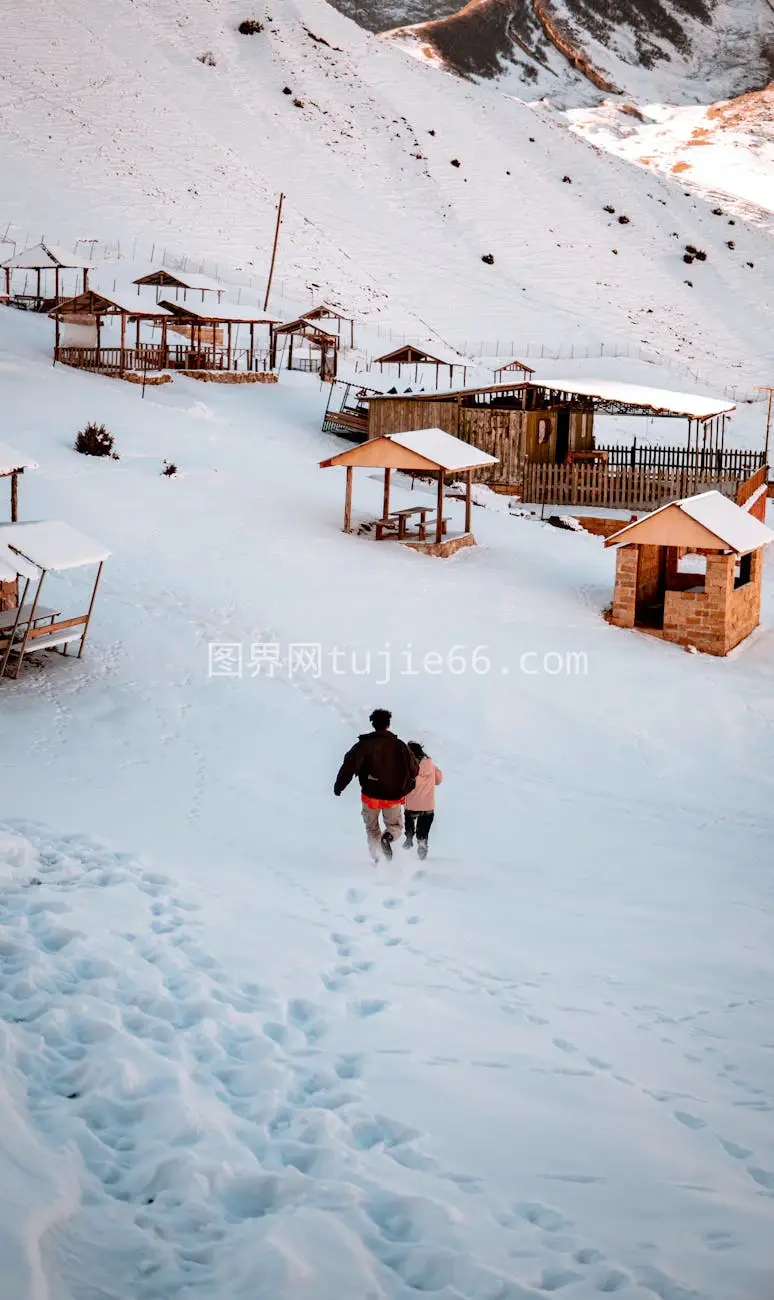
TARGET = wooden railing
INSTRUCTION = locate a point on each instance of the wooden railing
(597, 485)
(734, 463)
(751, 485)
(152, 357)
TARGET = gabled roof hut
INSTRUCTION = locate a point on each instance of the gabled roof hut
(185, 280)
(411, 354)
(324, 312)
(307, 331)
(92, 308)
(691, 572)
(12, 464)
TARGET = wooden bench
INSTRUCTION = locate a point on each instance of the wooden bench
(10, 618)
(46, 637)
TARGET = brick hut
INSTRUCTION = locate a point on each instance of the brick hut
(691, 573)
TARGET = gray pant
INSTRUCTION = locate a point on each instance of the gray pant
(393, 822)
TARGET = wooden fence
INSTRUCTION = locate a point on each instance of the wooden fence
(704, 460)
(153, 357)
(623, 489)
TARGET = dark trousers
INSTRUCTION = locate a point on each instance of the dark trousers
(418, 823)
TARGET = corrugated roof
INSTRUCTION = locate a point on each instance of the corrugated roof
(658, 400)
(443, 449)
(735, 528)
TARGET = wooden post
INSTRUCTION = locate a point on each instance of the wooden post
(56, 339)
(770, 391)
(99, 333)
(37, 272)
(30, 622)
(56, 284)
(164, 357)
(228, 345)
(439, 519)
(8, 280)
(387, 476)
(11, 631)
(14, 497)
(86, 279)
(252, 345)
(468, 503)
(274, 251)
(348, 501)
(91, 606)
(123, 343)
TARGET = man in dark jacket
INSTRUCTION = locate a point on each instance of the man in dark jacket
(386, 770)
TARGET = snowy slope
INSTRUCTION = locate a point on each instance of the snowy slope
(725, 150)
(153, 149)
(686, 51)
(237, 1062)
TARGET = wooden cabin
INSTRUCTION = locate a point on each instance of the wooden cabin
(691, 573)
(512, 422)
(46, 262)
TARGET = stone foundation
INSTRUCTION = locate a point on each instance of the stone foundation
(231, 376)
(442, 550)
(600, 526)
(133, 377)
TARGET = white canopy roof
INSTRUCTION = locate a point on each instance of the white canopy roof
(12, 460)
(734, 527)
(43, 257)
(657, 399)
(443, 448)
(50, 544)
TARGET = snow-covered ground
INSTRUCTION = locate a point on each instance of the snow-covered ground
(237, 1061)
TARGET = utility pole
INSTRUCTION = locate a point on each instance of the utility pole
(274, 251)
(762, 388)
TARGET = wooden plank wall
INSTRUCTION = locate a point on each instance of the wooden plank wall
(499, 433)
(400, 414)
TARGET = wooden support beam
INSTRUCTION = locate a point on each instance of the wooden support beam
(252, 346)
(14, 498)
(439, 512)
(468, 503)
(122, 360)
(228, 345)
(91, 607)
(387, 477)
(348, 500)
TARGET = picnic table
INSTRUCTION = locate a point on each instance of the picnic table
(19, 618)
(396, 523)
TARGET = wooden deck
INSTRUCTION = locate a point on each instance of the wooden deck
(149, 356)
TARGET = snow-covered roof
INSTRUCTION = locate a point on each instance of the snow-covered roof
(658, 400)
(370, 379)
(183, 279)
(12, 460)
(442, 448)
(734, 528)
(432, 354)
(130, 303)
(224, 312)
(43, 257)
(50, 544)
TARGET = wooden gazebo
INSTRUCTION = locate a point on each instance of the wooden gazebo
(413, 355)
(204, 325)
(187, 281)
(42, 258)
(28, 553)
(423, 451)
(306, 331)
(85, 315)
(519, 368)
(324, 312)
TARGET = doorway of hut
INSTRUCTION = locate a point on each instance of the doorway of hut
(651, 588)
(562, 434)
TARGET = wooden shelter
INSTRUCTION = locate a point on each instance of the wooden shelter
(28, 554)
(205, 353)
(188, 281)
(517, 369)
(42, 258)
(411, 354)
(82, 320)
(304, 331)
(512, 422)
(334, 318)
(12, 464)
(421, 451)
(691, 573)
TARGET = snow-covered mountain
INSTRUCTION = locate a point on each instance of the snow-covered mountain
(398, 181)
(684, 51)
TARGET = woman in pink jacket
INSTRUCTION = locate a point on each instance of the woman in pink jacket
(420, 802)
